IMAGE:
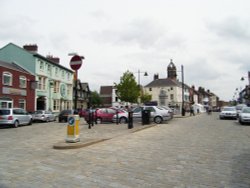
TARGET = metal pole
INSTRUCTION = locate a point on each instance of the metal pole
(182, 80)
(75, 102)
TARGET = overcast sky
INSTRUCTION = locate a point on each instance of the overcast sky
(210, 38)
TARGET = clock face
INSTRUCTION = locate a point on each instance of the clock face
(63, 90)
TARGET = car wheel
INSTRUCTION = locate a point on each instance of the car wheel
(158, 119)
(241, 122)
(30, 122)
(16, 124)
(123, 120)
(98, 120)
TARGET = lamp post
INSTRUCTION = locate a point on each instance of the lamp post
(139, 74)
(182, 86)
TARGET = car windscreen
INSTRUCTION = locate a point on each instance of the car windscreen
(4, 112)
(229, 109)
(39, 112)
(246, 110)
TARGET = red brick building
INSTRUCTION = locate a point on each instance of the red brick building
(17, 87)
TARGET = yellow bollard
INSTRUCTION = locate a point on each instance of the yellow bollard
(73, 130)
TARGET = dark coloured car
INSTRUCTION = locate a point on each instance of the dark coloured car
(63, 115)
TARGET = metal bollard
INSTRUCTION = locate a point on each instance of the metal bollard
(130, 120)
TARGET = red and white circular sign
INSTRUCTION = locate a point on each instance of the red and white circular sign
(76, 62)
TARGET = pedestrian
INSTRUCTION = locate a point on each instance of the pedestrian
(192, 111)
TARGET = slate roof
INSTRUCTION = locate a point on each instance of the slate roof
(163, 83)
(13, 66)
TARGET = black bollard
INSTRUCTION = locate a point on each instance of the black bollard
(130, 120)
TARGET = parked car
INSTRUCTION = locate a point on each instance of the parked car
(228, 112)
(239, 108)
(157, 114)
(170, 111)
(244, 116)
(63, 115)
(82, 112)
(43, 115)
(15, 117)
(121, 116)
(101, 115)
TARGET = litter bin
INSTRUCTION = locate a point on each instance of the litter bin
(73, 131)
(130, 120)
(145, 117)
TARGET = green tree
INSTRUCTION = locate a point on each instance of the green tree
(95, 99)
(127, 89)
(146, 97)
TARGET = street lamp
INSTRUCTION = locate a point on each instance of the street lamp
(139, 74)
(182, 88)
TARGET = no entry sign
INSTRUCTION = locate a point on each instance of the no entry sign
(76, 62)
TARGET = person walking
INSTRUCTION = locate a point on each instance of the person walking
(191, 110)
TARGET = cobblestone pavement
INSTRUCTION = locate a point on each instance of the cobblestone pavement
(198, 151)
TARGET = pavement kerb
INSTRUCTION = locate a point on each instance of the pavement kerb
(87, 142)
(76, 145)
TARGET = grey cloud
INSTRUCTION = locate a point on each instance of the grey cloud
(21, 28)
(200, 70)
(144, 33)
(231, 28)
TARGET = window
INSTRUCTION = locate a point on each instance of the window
(150, 89)
(56, 104)
(56, 71)
(41, 65)
(172, 96)
(22, 103)
(49, 69)
(56, 86)
(22, 82)
(69, 90)
(7, 79)
(63, 74)
(41, 83)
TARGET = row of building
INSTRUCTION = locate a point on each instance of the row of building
(168, 91)
(35, 82)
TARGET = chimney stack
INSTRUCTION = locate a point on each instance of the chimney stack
(31, 48)
(156, 76)
(53, 59)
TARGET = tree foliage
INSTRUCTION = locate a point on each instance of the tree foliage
(127, 89)
(146, 97)
(95, 99)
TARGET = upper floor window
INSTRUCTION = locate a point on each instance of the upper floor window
(22, 82)
(41, 83)
(56, 71)
(41, 65)
(68, 76)
(7, 79)
(63, 74)
(49, 68)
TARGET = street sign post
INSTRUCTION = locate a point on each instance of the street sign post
(76, 62)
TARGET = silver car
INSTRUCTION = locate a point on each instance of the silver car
(157, 114)
(43, 115)
(228, 112)
(15, 117)
(244, 116)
